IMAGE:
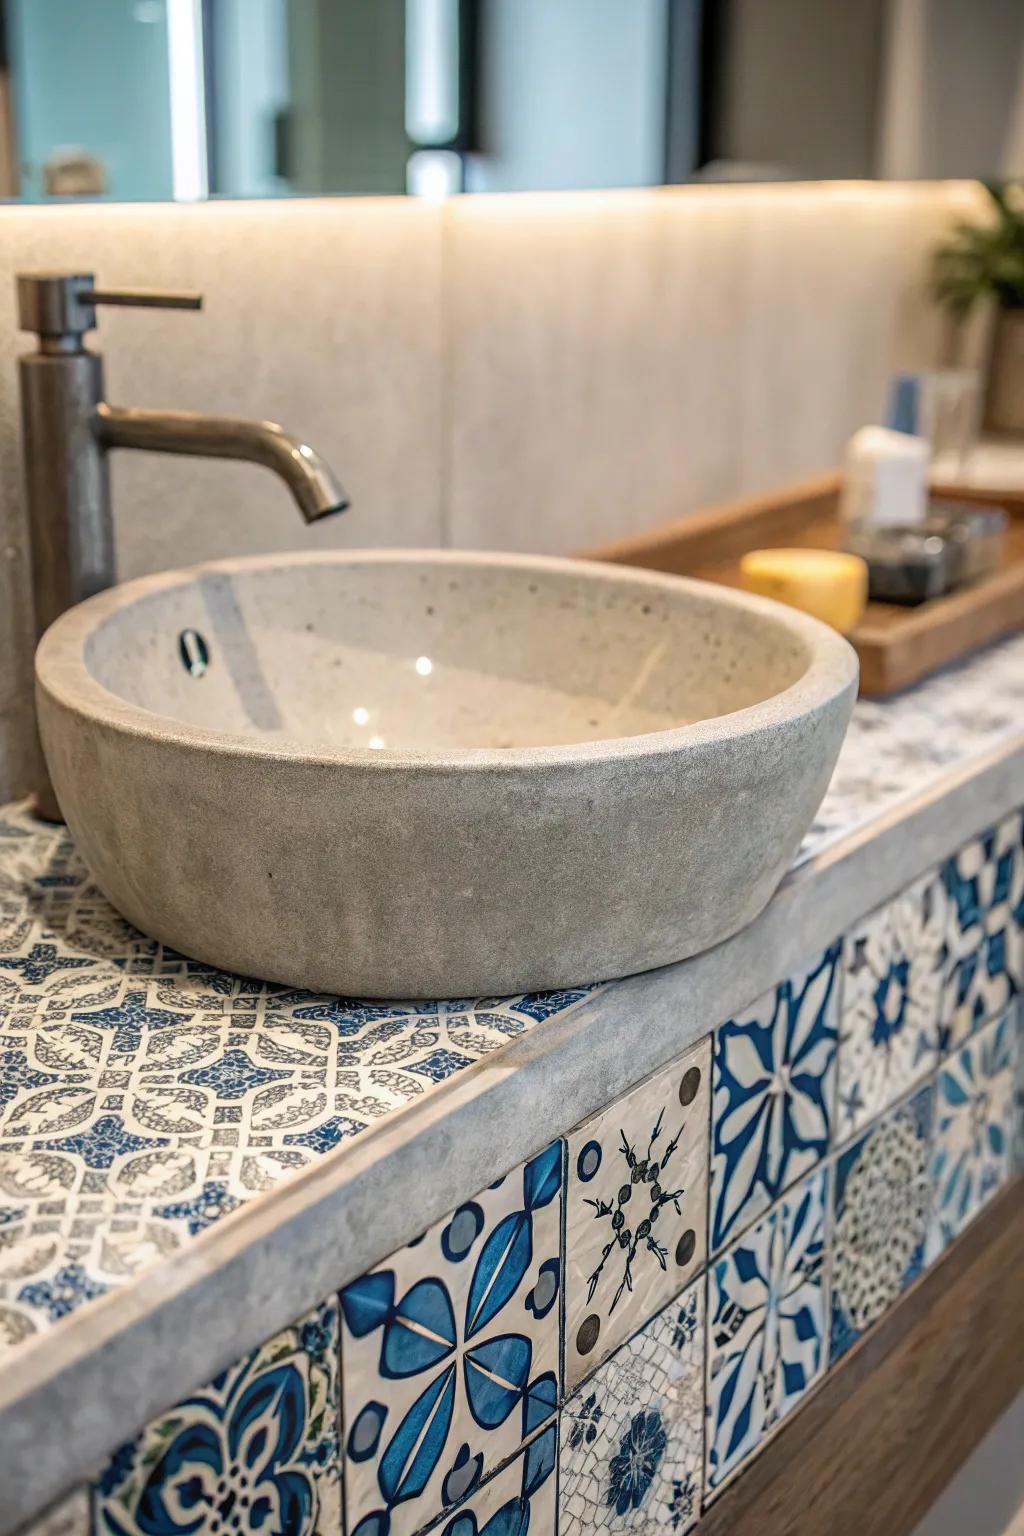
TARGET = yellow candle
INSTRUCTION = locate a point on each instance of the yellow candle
(822, 582)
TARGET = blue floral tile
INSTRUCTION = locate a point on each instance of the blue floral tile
(632, 1452)
(985, 968)
(636, 1208)
(767, 1327)
(972, 1153)
(889, 1033)
(774, 1084)
(881, 1193)
(521, 1498)
(450, 1353)
(254, 1452)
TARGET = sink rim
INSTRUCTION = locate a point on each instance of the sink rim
(61, 670)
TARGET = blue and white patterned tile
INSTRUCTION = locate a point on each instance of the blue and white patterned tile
(889, 1032)
(632, 1452)
(255, 1451)
(144, 1095)
(767, 1327)
(521, 1498)
(899, 748)
(985, 968)
(636, 1208)
(774, 1086)
(450, 1352)
(972, 1151)
(882, 1197)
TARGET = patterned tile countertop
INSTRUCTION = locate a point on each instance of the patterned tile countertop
(144, 1095)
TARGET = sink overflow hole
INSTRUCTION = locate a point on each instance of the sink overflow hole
(194, 652)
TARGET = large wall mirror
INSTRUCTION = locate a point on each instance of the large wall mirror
(157, 99)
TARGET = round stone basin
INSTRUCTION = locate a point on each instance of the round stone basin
(404, 774)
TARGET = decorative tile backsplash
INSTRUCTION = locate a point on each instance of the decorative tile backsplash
(774, 1086)
(894, 965)
(767, 1326)
(256, 1449)
(882, 1195)
(636, 1209)
(975, 1108)
(632, 1455)
(450, 1352)
(726, 1231)
(985, 886)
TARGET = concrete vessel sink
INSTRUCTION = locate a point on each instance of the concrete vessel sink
(402, 774)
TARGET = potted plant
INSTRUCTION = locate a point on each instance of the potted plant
(985, 262)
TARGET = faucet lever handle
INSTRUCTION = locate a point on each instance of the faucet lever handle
(61, 306)
(143, 298)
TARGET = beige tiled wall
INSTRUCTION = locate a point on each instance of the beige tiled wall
(537, 372)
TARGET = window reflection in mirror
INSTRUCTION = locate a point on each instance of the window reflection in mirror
(156, 99)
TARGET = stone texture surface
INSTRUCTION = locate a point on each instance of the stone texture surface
(241, 833)
(577, 368)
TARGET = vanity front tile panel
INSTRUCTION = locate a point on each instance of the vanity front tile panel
(450, 1352)
(975, 1112)
(774, 1085)
(893, 966)
(882, 1198)
(767, 1327)
(632, 1456)
(985, 968)
(521, 1498)
(636, 1208)
(255, 1451)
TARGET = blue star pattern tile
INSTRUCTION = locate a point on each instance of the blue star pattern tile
(144, 1095)
(889, 1033)
(632, 1436)
(881, 1194)
(972, 1152)
(774, 1083)
(520, 1500)
(767, 1327)
(636, 1208)
(450, 1353)
(254, 1452)
(985, 968)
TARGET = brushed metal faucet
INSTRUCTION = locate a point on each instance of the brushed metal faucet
(68, 430)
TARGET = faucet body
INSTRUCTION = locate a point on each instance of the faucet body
(68, 430)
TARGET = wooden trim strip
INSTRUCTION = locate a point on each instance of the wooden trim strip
(884, 1433)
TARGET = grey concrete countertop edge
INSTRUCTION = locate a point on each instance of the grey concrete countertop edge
(72, 1395)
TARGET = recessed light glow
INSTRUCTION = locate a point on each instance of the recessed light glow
(376, 742)
(360, 715)
(424, 666)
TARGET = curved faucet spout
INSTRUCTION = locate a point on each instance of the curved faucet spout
(315, 490)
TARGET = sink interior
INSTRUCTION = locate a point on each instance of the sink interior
(421, 654)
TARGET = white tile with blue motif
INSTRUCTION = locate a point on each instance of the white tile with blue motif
(773, 1093)
(632, 1456)
(519, 1500)
(975, 1127)
(985, 966)
(767, 1327)
(450, 1352)
(882, 1196)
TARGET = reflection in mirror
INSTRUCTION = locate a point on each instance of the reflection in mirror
(129, 99)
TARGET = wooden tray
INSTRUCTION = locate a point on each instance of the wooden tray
(897, 646)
